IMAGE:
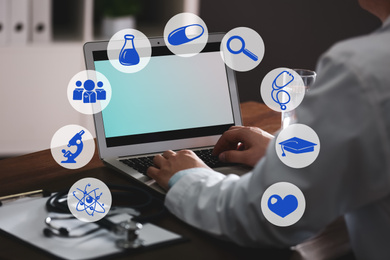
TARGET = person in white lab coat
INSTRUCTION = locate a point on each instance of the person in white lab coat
(349, 109)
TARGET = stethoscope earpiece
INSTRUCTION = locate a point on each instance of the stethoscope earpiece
(47, 232)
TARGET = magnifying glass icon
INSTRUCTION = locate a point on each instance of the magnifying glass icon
(242, 49)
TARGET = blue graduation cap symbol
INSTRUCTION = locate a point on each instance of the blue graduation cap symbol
(297, 145)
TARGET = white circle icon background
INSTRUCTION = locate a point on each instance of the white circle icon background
(274, 214)
(100, 82)
(300, 145)
(116, 47)
(89, 199)
(282, 87)
(63, 137)
(185, 34)
(242, 49)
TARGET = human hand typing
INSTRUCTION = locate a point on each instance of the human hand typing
(240, 144)
(169, 163)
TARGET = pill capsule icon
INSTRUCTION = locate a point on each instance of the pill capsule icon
(185, 34)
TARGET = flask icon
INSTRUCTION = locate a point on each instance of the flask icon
(129, 55)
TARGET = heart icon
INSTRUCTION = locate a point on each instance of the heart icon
(282, 207)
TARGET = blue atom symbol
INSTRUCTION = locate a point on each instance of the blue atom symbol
(89, 202)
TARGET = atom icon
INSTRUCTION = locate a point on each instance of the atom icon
(89, 202)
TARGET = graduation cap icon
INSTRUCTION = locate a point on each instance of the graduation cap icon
(296, 145)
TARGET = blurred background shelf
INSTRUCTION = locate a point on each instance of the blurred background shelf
(34, 75)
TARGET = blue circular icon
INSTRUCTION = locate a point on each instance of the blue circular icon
(179, 36)
(89, 199)
(79, 83)
(242, 49)
(283, 204)
(282, 89)
(185, 34)
(89, 85)
(278, 89)
(129, 55)
(83, 94)
(72, 146)
(297, 146)
(129, 50)
(230, 40)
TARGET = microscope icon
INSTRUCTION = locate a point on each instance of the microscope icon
(75, 141)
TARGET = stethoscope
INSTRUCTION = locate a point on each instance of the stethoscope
(57, 203)
(279, 90)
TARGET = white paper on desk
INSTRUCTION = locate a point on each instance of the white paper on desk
(24, 219)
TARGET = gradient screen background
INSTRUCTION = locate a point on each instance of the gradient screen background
(171, 93)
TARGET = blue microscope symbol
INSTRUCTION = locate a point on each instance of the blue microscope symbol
(89, 201)
(75, 141)
(277, 91)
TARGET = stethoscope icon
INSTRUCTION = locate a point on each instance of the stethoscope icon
(242, 49)
(279, 90)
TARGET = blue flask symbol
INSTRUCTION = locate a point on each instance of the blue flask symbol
(129, 55)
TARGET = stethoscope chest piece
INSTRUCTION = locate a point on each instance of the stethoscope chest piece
(130, 232)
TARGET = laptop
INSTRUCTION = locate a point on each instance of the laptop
(173, 103)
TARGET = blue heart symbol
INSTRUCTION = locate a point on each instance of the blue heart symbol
(282, 207)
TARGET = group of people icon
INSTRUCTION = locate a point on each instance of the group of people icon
(88, 93)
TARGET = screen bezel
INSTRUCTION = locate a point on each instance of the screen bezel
(157, 146)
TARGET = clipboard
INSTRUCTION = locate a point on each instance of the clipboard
(24, 220)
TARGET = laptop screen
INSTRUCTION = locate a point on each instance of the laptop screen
(171, 98)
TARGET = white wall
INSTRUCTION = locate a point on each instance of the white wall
(34, 104)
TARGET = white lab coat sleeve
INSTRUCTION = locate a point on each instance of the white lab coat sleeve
(351, 170)
(218, 204)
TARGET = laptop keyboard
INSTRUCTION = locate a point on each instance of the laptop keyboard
(141, 164)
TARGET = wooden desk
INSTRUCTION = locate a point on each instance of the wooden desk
(39, 171)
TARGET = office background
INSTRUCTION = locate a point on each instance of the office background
(34, 72)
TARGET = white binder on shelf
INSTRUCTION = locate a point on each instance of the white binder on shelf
(4, 21)
(41, 21)
(88, 20)
(20, 12)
